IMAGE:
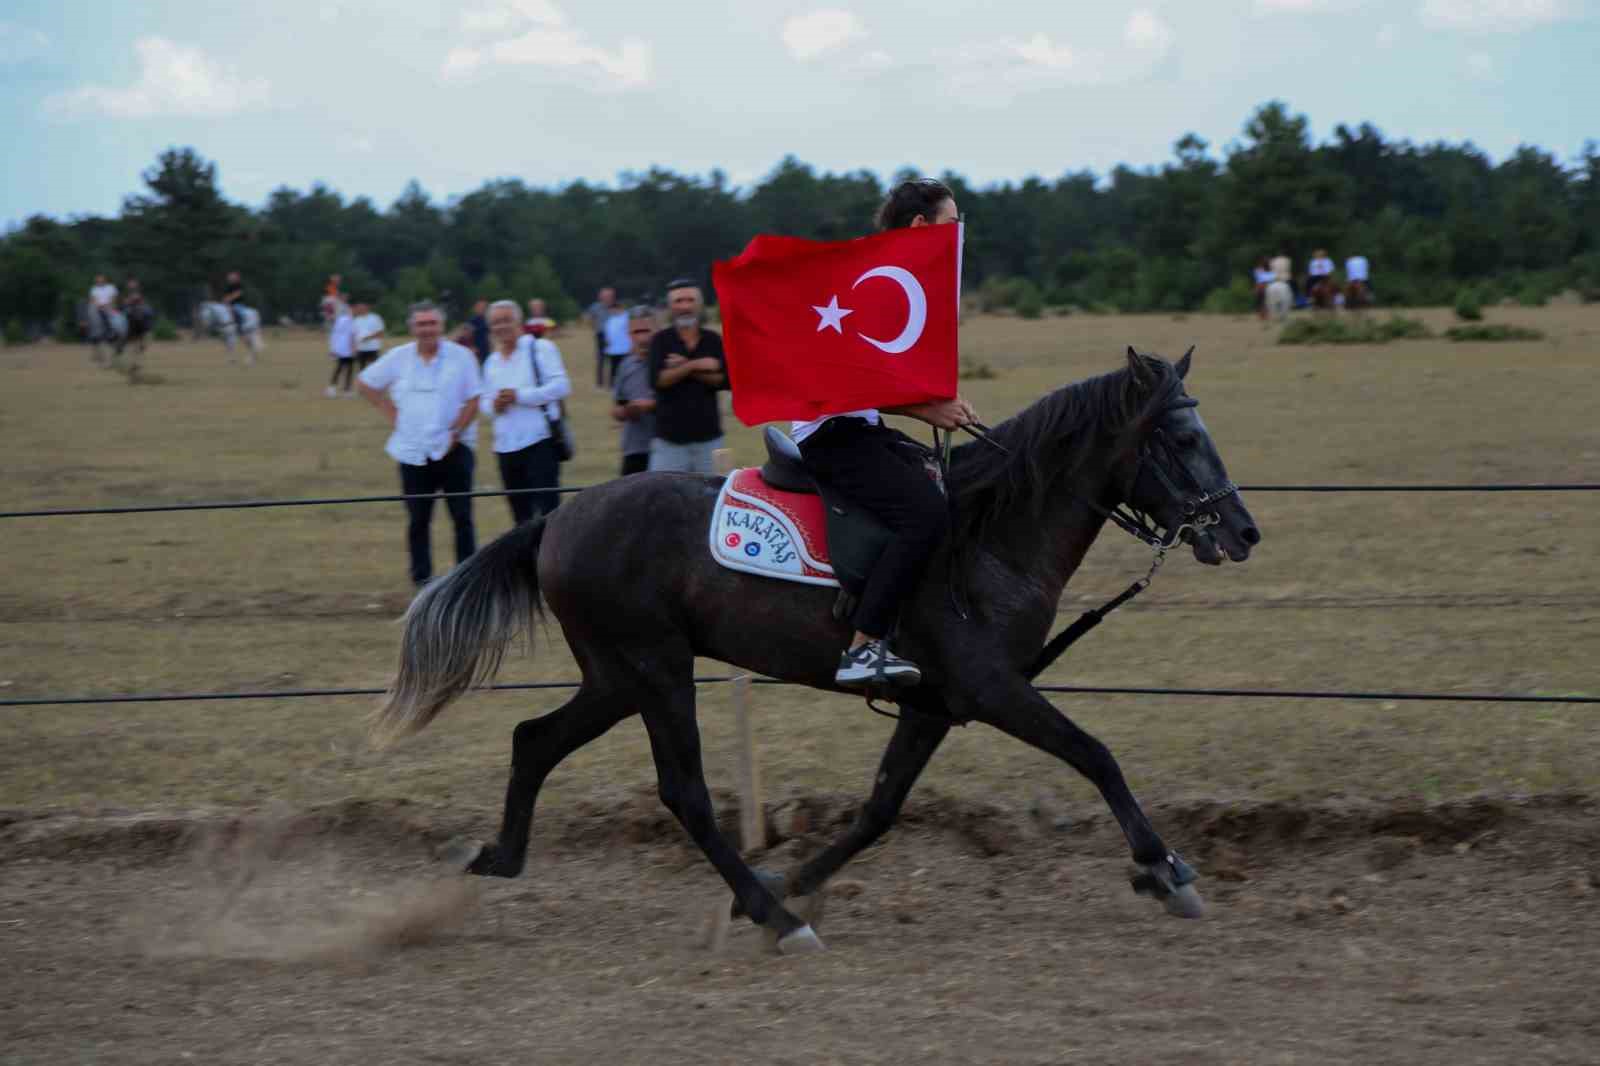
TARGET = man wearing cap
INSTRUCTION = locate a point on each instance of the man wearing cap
(688, 369)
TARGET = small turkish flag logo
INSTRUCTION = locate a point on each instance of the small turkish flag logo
(732, 540)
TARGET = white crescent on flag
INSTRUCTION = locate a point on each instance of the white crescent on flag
(916, 309)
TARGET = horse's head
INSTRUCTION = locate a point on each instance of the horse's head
(1173, 472)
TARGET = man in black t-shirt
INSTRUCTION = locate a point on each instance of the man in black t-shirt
(688, 369)
(233, 296)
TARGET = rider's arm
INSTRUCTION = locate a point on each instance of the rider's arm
(942, 414)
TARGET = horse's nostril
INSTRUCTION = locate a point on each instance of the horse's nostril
(1250, 535)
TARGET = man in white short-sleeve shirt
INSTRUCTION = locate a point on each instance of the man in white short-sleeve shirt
(102, 301)
(429, 390)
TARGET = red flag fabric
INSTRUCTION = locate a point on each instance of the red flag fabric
(813, 328)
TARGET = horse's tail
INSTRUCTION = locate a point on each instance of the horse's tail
(458, 628)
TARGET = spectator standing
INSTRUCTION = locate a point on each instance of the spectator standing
(429, 391)
(331, 299)
(480, 329)
(539, 323)
(342, 347)
(688, 369)
(617, 343)
(598, 314)
(524, 383)
(102, 301)
(634, 396)
(369, 334)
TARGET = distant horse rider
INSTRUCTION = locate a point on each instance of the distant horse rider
(103, 301)
(233, 296)
(1261, 277)
(1357, 280)
(861, 457)
(1319, 279)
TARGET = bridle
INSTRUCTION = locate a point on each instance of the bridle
(1158, 459)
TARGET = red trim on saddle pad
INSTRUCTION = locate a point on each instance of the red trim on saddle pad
(804, 510)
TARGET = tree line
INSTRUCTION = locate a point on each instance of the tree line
(1432, 218)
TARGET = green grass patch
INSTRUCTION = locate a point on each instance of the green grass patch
(1329, 329)
(1493, 331)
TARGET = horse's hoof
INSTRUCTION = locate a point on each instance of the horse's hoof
(800, 942)
(1172, 882)
(461, 853)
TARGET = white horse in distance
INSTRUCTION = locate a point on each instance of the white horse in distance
(1280, 300)
(215, 319)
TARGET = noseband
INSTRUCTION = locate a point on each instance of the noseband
(1159, 459)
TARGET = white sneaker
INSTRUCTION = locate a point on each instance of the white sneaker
(330, 392)
(874, 664)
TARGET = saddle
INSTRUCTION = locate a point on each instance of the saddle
(779, 521)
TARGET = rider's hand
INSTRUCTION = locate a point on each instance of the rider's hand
(948, 414)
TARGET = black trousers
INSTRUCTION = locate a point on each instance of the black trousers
(636, 463)
(867, 465)
(533, 467)
(600, 360)
(453, 473)
(344, 365)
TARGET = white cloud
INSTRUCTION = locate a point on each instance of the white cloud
(1145, 32)
(545, 40)
(500, 17)
(1291, 7)
(824, 30)
(19, 44)
(628, 66)
(1040, 51)
(1479, 65)
(174, 79)
(1494, 16)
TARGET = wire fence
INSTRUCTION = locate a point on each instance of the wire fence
(321, 501)
(1082, 690)
(1101, 690)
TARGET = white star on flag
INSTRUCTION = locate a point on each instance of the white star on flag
(832, 316)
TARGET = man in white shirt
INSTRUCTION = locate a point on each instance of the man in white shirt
(428, 390)
(369, 334)
(102, 301)
(1357, 271)
(618, 344)
(342, 348)
(524, 383)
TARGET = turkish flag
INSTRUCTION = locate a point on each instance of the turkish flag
(814, 328)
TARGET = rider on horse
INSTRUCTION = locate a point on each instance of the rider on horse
(233, 296)
(1319, 278)
(867, 462)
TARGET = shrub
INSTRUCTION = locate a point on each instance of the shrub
(997, 293)
(1236, 298)
(1532, 295)
(164, 330)
(15, 334)
(1326, 329)
(1493, 331)
(1469, 305)
(972, 371)
(1029, 302)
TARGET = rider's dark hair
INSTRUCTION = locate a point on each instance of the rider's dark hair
(912, 198)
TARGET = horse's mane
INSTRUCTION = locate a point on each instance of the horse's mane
(1052, 438)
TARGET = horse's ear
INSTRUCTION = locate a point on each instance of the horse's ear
(1139, 371)
(1182, 365)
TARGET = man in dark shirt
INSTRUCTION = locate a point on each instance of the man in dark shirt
(233, 296)
(688, 369)
(480, 329)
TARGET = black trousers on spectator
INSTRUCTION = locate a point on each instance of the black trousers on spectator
(637, 463)
(364, 359)
(453, 473)
(533, 467)
(344, 365)
(600, 360)
(867, 464)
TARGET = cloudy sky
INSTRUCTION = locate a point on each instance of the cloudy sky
(364, 95)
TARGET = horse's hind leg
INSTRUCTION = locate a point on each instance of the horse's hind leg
(916, 738)
(1028, 716)
(675, 743)
(537, 746)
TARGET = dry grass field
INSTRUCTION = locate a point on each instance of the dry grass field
(1464, 593)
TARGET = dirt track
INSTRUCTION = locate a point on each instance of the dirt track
(1463, 933)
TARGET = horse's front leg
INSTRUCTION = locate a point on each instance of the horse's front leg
(1015, 707)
